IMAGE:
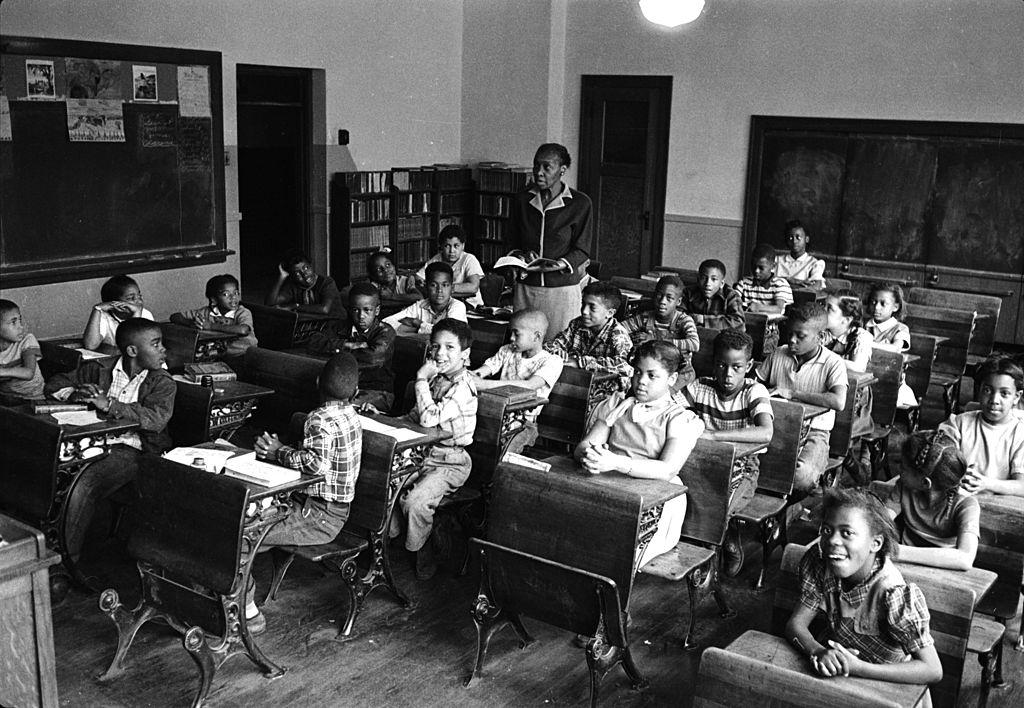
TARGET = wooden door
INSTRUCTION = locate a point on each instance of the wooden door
(623, 157)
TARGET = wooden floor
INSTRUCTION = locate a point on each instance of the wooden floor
(414, 658)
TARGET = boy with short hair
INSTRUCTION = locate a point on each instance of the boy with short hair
(422, 315)
(805, 371)
(223, 313)
(595, 340)
(372, 344)
(524, 362)
(798, 266)
(666, 323)
(133, 388)
(332, 445)
(466, 269)
(298, 287)
(20, 378)
(445, 399)
(711, 302)
(763, 290)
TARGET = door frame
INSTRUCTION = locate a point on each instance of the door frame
(659, 121)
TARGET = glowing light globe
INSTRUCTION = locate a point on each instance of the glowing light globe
(671, 13)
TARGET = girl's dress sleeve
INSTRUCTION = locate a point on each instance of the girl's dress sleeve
(908, 618)
(811, 595)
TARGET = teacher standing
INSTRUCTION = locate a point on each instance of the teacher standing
(553, 222)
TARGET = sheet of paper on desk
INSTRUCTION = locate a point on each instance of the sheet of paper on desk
(247, 468)
(77, 417)
(376, 426)
(213, 459)
(90, 354)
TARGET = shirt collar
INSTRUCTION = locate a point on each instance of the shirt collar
(556, 203)
(119, 367)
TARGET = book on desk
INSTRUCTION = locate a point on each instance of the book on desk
(512, 393)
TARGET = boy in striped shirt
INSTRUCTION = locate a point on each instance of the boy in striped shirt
(763, 290)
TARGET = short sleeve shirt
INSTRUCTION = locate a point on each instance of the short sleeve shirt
(933, 525)
(109, 323)
(777, 288)
(892, 331)
(31, 388)
(641, 429)
(508, 364)
(422, 311)
(806, 267)
(818, 375)
(996, 450)
(854, 346)
(238, 316)
(467, 265)
(702, 398)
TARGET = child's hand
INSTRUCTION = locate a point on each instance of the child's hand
(369, 408)
(428, 371)
(281, 272)
(101, 402)
(697, 318)
(411, 322)
(598, 459)
(783, 392)
(266, 445)
(349, 346)
(972, 482)
(830, 663)
(850, 658)
(198, 321)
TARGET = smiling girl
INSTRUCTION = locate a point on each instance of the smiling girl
(878, 624)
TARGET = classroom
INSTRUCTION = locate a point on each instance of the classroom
(288, 143)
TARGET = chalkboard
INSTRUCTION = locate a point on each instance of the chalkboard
(77, 208)
(932, 193)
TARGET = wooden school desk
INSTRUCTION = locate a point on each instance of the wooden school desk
(203, 414)
(67, 354)
(43, 462)
(170, 573)
(188, 345)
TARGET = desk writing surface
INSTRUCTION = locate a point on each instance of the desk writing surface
(654, 492)
(212, 335)
(1002, 521)
(427, 436)
(975, 579)
(75, 432)
(258, 491)
(743, 449)
(231, 391)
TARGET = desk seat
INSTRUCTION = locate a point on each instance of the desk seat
(345, 545)
(677, 563)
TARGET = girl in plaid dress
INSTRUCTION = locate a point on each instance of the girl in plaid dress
(877, 622)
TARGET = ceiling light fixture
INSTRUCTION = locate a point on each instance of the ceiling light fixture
(671, 13)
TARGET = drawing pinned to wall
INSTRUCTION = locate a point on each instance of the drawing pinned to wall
(95, 120)
(93, 78)
(194, 91)
(39, 79)
(144, 82)
(5, 119)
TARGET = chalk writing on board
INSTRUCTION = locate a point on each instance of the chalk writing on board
(194, 137)
(157, 129)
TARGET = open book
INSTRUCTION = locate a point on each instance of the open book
(517, 259)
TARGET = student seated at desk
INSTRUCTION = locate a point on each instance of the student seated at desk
(733, 409)
(798, 266)
(844, 333)
(134, 388)
(20, 378)
(647, 435)
(992, 439)
(595, 340)
(372, 344)
(807, 372)
(936, 519)
(466, 269)
(445, 399)
(711, 302)
(224, 312)
(298, 287)
(380, 270)
(878, 624)
(885, 305)
(763, 290)
(523, 362)
(667, 323)
(122, 299)
(332, 445)
(422, 315)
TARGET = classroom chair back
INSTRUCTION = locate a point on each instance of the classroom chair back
(886, 366)
(950, 605)
(181, 343)
(765, 334)
(190, 421)
(706, 474)
(57, 359)
(28, 476)
(293, 379)
(491, 287)
(488, 337)
(987, 307)
(274, 326)
(703, 360)
(1001, 550)
(956, 325)
(563, 420)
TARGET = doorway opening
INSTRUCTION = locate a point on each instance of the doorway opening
(624, 126)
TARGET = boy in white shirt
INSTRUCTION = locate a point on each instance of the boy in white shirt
(421, 316)
(466, 269)
(798, 266)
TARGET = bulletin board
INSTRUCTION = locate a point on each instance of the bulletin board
(111, 159)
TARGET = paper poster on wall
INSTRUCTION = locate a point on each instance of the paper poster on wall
(95, 120)
(144, 82)
(93, 78)
(5, 119)
(39, 79)
(194, 91)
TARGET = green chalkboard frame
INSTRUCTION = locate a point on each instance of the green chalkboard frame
(210, 250)
(816, 132)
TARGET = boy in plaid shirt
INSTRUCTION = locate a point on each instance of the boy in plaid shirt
(595, 340)
(711, 302)
(763, 290)
(332, 445)
(666, 322)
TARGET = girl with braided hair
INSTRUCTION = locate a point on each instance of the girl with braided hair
(936, 519)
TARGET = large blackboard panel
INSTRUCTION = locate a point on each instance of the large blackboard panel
(978, 209)
(801, 177)
(72, 210)
(885, 198)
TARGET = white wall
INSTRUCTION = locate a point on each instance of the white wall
(394, 80)
(955, 60)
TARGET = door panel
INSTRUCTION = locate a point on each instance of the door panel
(618, 227)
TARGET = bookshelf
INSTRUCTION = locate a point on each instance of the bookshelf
(361, 211)
(414, 216)
(496, 183)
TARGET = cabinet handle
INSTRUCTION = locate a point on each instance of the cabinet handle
(933, 278)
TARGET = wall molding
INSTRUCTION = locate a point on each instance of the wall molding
(704, 220)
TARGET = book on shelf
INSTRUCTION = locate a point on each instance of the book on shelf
(502, 179)
(367, 182)
(376, 209)
(493, 205)
(414, 203)
(362, 237)
(452, 176)
(456, 202)
(491, 228)
(413, 227)
(490, 251)
(448, 220)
